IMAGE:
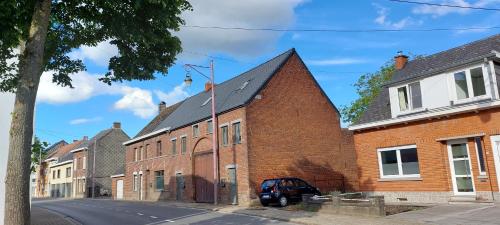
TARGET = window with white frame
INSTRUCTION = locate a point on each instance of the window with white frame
(469, 83)
(183, 145)
(480, 156)
(210, 126)
(196, 130)
(134, 182)
(225, 135)
(410, 97)
(398, 162)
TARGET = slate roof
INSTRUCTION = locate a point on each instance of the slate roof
(380, 109)
(230, 94)
(158, 119)
(64, 150)
(53, 148)
(98, 136)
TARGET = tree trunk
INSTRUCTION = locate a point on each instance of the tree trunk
(17, 208)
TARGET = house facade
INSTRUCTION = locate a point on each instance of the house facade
(106, 152)
(433, 132)
(42, 172)
(272, 121)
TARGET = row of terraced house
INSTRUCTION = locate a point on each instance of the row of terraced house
(431, 135)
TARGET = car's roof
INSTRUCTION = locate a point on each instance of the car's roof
(280, 178)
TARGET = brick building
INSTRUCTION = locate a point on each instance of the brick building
(273, 120)
(42, 171)
(109, 159)
(433, 132)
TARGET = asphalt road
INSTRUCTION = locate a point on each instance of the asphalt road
(107, 212)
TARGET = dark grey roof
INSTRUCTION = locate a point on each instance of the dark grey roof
(66, 157)
(380, 108)
(229, 94)
(435, 63)
(158, 119)
(53, 148)
(98, 136)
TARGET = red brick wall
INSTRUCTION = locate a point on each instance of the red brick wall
(79, 172)
(294, 131)
(171, 164)
(432, 155)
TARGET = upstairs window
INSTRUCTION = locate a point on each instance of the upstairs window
(158, 148)
(196, 130)
(174, 146)
(410, 97)
(68, 172)
(210, 126)
(236, 133)
(183, 145)
(469, 83)
(225, 136)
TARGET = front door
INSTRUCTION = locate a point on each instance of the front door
(180, 186)
(460, 167)
(495, 142)
(233, 186)
(119, 189)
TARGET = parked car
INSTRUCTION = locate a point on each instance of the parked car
(285, 190)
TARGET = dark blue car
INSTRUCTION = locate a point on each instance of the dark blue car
(285, 190)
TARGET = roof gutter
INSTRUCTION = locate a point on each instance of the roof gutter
(117, 175)
(79, 149)
(61, 163)
(160, 131)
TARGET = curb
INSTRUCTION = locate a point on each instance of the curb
(70, 219)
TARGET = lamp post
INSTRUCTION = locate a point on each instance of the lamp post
(215, 146)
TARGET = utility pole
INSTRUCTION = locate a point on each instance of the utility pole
(93, 169)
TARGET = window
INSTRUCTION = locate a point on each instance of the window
(54, 174)
(236, 133)
(135, 155)
(159, 180)
(158, 148)
(196, 130)
(75, 163)
(210, 126)
(480, 156)
(410, 97)
(134, 182)
(469, 83)
(183, 145)
(146, 151)
(58, 173)
(68, 172)
(399, 162)
(174, 146)
(84, 162)
(141, 153)
(225, 136)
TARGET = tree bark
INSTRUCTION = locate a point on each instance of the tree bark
(17, 208)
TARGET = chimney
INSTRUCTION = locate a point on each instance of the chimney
(117, 125)
(162, 106)
(85, 138)
(400, 60)
(208, 86)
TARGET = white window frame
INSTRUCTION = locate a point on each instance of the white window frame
(470, 88)
(180, 137)
(410, 101)
(171, 150)
(481, 173)
(232, 131)
(198, 127)
(134, 183)
(84, 164)
(400, 165)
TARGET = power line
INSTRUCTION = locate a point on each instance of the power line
(446, 5)
(340, 30)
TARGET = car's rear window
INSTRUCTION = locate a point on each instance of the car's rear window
(268, 183)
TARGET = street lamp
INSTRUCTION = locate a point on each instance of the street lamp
(188, 80)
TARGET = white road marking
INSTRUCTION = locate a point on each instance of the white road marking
(154, 217)
(140, 214)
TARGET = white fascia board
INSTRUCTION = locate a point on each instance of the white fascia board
(61, 163)
(452, 111)
(146, 136)
(79, 149)
(50, 159)
(117, 175)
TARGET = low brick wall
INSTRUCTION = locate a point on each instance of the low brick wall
(371, 206)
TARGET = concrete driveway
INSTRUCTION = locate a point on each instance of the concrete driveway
(454, 214)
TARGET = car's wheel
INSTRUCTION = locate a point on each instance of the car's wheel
(283, 201)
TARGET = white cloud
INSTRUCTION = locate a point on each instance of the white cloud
(99, 54)
(84, 120)
(437, 11)
(335, 61)
(138, 101)
(382, 19)
(230, 13)
(177, 94)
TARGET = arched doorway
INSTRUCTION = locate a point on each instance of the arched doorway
(204, 176)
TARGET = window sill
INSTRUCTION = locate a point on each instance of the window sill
(410, 112)
(400, 179)
(482, 177)
(470, 100)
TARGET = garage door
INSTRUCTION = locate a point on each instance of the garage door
(119, 189)
(204, 177)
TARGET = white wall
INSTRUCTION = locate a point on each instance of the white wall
(6, 107)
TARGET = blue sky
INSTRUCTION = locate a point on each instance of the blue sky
(335, 59)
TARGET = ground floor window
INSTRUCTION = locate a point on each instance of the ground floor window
(134, 182)
(399, 161)
(160, 182)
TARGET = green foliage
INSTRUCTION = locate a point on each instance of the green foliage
(38, 152)
(368, 87)
(141, 30)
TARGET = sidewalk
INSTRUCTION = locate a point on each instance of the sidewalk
(42, 216)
